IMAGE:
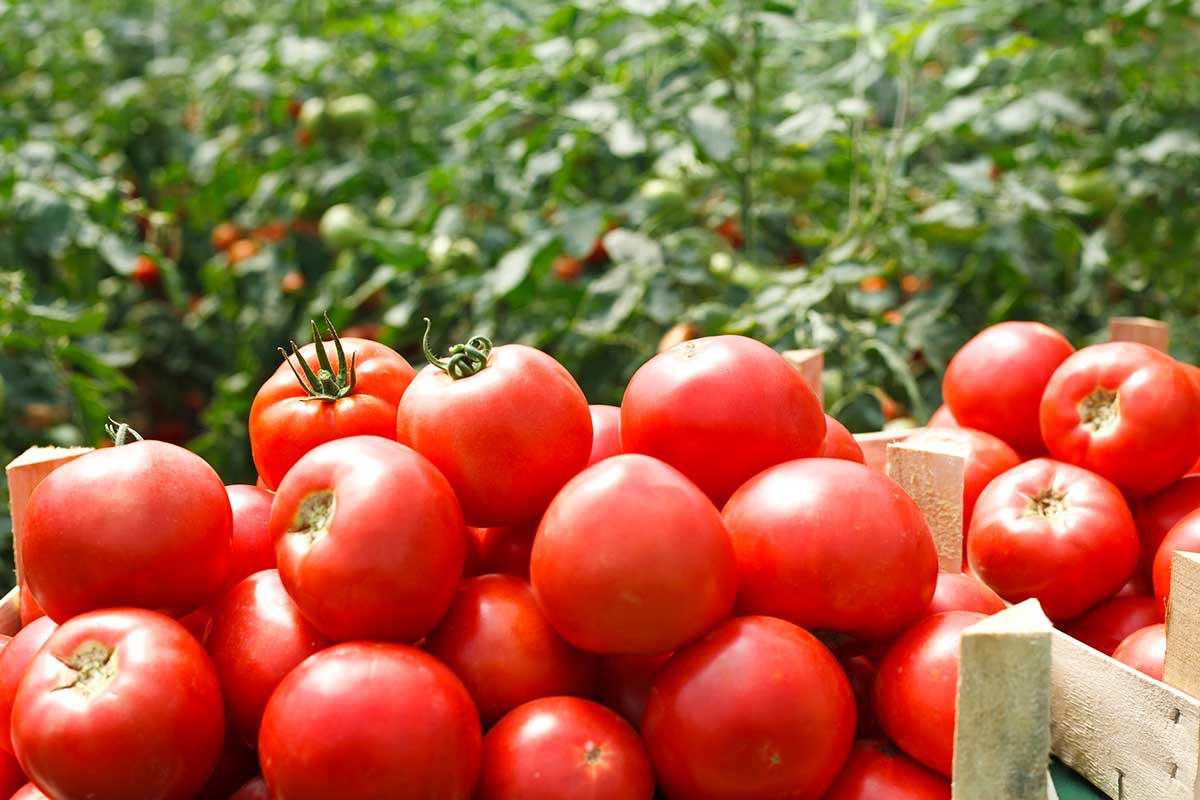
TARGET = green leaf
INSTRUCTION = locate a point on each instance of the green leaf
(514, 266)
(713, 130)
(62, 321)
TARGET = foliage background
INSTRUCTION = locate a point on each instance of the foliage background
(880, 178)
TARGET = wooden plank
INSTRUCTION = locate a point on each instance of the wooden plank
(932, 474)
(10, 612)
(874, 445)
(1143, 330)
(1181, 668)
(1002, 720)
(811, 364)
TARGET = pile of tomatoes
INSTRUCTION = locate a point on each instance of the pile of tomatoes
(465, 582)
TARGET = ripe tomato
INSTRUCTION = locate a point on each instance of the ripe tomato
(1125, 411)
(11, 776)
(255, 789)
(820, 542)
(600, 559)
(995, 382)
(236, 764)
(916, 688)
(30, 610)
(840, 443)
(942, 418)
(224, 235)
(1056, 532)
(507, 427)
(118, 703)
(369, 539)
(606, 432)
(500, 550)
(1158, 513)
(877, 770)
(721, 409)
(369, 721)
(145, 524)
(251, 549)
(625, 683)
(257, 636)
(963, 592)
(29, 792)
(348, 387)
(560, 747)
(14, 660)
(495, 639)
(758, 708)
(1184, 536)
(1144, 650)
(1107, 625)
(567, 268)
(145, 271)
(861, 673)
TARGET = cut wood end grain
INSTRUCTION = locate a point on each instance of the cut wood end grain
(932, 475)
(1025, 617)
(1151, 332)
(39, 455)
(810, 363)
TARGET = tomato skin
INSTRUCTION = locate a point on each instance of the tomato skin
(1144, 650)
(861, 673)
(625, 682)
(29, 792)
(995, 381)
(504, 550)
(329, 730)
(1185, 536)
(796, 524)
(1107, 625)
(235, 766)
(257, 636)
(489, 433)
(916, 688)
(495, 639)
(1157, 514)
(30, 610)
(1071, 549)
(391, 552)
(14, 660)
(606, 432)
(963, 592)
(942, 418)
(877, 770)
(11, 776)
(757, 709)
(721, 409)
(153, 728)
(251, 549)
(255, 789)
(559, 747)
(146, 524)
(284, 424)
(840, 443)
(640, 514)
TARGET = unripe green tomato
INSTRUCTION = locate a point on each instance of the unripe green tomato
(351, 114)
(1094, 187)
(343, 226)
(313, 113)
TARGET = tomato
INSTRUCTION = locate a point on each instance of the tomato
(343, 226)
(567, 268)
(236, 764)
(1158, 513)
(255, 789)
(291, 282)
(758, 708)
(1144, 650)
(30, 610)
(606, 432)
(916, 688)
(224, 235)
(1125, 411)
(145, 271)
(632, 558)
(29, 792)
(560, 747)
(721, 409)
(292, 414)
(861, 673)
(241, 250)
(370, 721)
(351, 114)
(495, 639)
(995, 382)
(14, 660)
(369, 539)
(144, 524)
(831, 545)
(504, 550)
(1106, 625)
(730, 229)
(877, 770)
(507, 426)
(11, 776)
(119, 703)
(251, 549)
(1056, 532)
(625, 683)
(257, 636)
(963, 592)
(840, 443)
(1185, 536)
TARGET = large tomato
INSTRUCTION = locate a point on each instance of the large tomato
(1157, 514)
(1056, 532)
(632, 558)
(917, 685)
(143, 524)
(832, 545)
(11, 776)
(840, 443)
(256, 637)
(1144, 650)
(1185, 536)
(236, 765)
(942, 418)
(878, 771)
(758, 708)
(606, 432)
(960, 591)
(495, 639)
(252, 549)
(370, 721)
(564, 747)
(625, 683)
(14, 660)
(504, 550)
(860, 670)
(721, 409)
(345, 387)
(995, 382)
(1107, 625)
(119, 703)
(507, 427)
(369, 538)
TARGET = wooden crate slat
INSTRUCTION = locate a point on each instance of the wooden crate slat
(1143, 330)
(874, 445)
(1181, 668)
(810, 362)
(932, 474)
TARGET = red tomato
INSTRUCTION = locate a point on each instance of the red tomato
(503, 550)
(1158, 513)
(119, 703)
(145, 271)
(255, 789)
(369, 539)
(506, 426)
(370, 721)
(561, 747)
(963, 592)
(14, 660)
(1106, 625)
(632, 558)
(145, 524)
(942, 418)
(995, 382)
(29, 792)
(758, 708)
(1144, 650)
(495, 639)
(916, 688)
(606, 432)
(30, 610)
(1124, 411)
(235, 766)
(11, 776)
(252, 549)
(1056, 532)
(877, 771)
(721, 409)
(625, 683)
(821, 542)
(347, 387)
(840, 443)
(257, 636)
(861, 673)
(1184, 536)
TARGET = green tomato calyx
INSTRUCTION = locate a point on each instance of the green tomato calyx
(326, 383)
(465, 360)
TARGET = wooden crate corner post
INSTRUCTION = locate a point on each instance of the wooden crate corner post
(932, 475)
(1143, 330)
(810, 363)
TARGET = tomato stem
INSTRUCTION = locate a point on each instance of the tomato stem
(465, 359)
(327, 383)
(119, 431)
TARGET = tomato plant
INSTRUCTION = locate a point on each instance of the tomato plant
(1107, 625)
(876, 769)
(1144, 650)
